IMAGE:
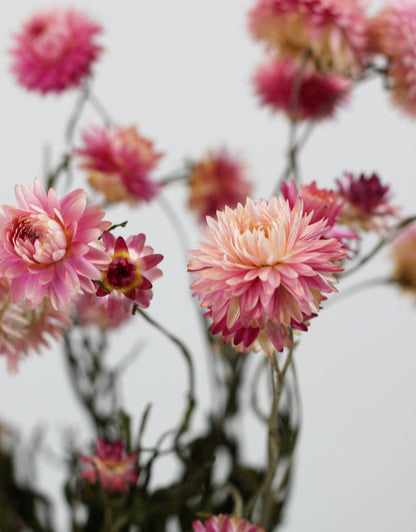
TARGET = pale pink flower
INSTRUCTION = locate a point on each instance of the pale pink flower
(217, 180)
(120, 163)
(334, 32)
(318, 95)
(129, 276)
(23, 329)
(89, 309)
(395, 37)
(116, 470)
(55, 50)
(48, 246)
(367, 202)
(223, 523)
(404, 257)
(263, 270)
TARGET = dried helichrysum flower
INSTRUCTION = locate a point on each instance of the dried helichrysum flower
(89, 309)
(54, 50)
(119, 163)
(262, 270)
(403, 251)
(223, 523)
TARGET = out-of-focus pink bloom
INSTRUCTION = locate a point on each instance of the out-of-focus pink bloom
(89, 309)
(263, 270)
(404, 258)
(120, 163)
(116, 469)
(395, 37)
(223, 523)
(334, 32)
(318, 95)
(130, 273)
(367, 202)
(55, 50)
(23, 329)
(216, 181)
(48, 246)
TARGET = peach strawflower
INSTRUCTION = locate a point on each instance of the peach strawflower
(403, 251)
(395, 37)
(318, 97)
(263, 269)
(48, 246)
(128, 278)
(223, 523)
(333, 32)
(116, 469)
(367, 202)
(55, 50)
(89, 309)
(23, 329)
(216, 181)
(120, 163)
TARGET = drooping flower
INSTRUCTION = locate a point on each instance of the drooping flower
(318, 95)
(129, 276)
(334, 33)
(264, 269)
(55, 50)
(403, 251)
(48, 246)
(395, 36)
(216, 181)
(367, 202)
(23, 329)
(116, 470)
(89, 309)
(223, 523)
(120, 163)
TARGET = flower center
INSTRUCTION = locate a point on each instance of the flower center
(123, 274)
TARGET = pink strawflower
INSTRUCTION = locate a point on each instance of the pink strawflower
(318, 95)
(55, 50)
(367, 202)
(404, 258)
(217, 180)
(263, 270)
(116, 469)
(120, 163)
(223, 523)
(395, 37)
(23, 329)
(334, 32)
(89, 309)
(129, 276)
(48, 246)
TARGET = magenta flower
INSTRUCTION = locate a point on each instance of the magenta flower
(55, 50)
(120, 163)
(48, 246)
(395, 37)
(116, 470)
(318, 96)
(263, 270)
(129, 276)
(89, 309)
(216, 181)
(334, 32)
(367, 202)
(223, 523)
(23, 329)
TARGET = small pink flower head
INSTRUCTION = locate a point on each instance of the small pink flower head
(395, 37)
(367, 202)
(334, 32)
(120, 163)
(404, 258)
(48, 246)
(55, 50)
(319, 95)
(89, 309)
(129, 276)
(223, 523)
(23, 329)
(216, 181)
(263, 270)
(116, 469)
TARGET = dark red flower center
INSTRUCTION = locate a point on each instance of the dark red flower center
(122, 274)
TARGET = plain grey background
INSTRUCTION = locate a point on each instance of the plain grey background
(181, 71)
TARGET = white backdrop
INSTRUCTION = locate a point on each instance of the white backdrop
(180, 70)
